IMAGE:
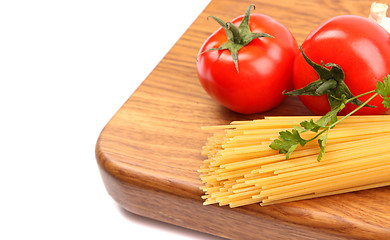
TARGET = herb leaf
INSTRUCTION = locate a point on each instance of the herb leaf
(331, 116)
(311, 125)
(383, 89)
(322, 143)
(287, 142)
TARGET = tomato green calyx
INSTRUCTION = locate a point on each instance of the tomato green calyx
(330, 82)
(238, 37)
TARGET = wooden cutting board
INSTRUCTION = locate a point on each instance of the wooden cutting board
(149, 152)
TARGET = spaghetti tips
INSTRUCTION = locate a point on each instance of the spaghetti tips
(242, 169)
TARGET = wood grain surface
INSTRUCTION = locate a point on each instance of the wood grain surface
(149, 152)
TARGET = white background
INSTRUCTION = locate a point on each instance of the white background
(66, 67)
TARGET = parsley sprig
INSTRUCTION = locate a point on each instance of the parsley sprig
(331, 83)
(383, 89)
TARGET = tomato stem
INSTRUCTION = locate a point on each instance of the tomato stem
(238, 37)
(330, 82)
(235, 32)
(326, 86)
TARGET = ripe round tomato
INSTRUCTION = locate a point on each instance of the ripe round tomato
(359, 46)
(264, 67)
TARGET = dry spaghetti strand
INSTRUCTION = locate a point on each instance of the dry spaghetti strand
(241, 169)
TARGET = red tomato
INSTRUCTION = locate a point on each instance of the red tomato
(265, 67)
(362, 49)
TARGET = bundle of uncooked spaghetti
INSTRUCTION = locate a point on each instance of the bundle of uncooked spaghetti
(242, 169)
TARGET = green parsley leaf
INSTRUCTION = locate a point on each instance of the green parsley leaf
(310, 126)
(322, 143)
(330, 117)
(287, 142)
(383, 89)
